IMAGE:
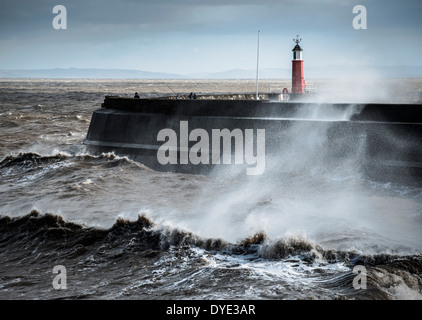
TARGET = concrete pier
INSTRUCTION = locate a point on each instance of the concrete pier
(383, 140)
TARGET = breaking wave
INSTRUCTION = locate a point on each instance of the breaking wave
(49, 238)
(29, 159)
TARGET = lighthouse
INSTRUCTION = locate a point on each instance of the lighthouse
(298, 82)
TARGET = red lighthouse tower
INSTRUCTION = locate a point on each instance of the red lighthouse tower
(298, 82)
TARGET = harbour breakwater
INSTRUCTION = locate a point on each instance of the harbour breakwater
(382, 141)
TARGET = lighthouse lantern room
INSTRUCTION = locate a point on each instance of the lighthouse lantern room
(298, 81)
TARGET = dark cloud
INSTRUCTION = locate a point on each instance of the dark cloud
(168, 29)
(162, 15)
(202, 16)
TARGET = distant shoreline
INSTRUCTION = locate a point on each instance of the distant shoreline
(321, 72)
(329, 90)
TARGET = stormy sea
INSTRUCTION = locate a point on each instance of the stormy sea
(117, 229)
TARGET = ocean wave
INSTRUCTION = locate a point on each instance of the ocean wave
(110, 159)
(39, 239)
(30, 158)
(145, 232)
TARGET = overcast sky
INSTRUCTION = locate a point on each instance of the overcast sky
(188, 36)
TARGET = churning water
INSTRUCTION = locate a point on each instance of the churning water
(124, 231)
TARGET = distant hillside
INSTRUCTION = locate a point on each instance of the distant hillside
(264, 73)
(317, 72)
(87, 74)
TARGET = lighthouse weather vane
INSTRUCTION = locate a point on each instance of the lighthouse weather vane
(297, 40)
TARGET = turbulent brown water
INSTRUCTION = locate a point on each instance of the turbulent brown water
(124, 231)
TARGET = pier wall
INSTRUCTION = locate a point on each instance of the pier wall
(382, 140)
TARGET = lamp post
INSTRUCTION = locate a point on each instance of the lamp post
(257, 65)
